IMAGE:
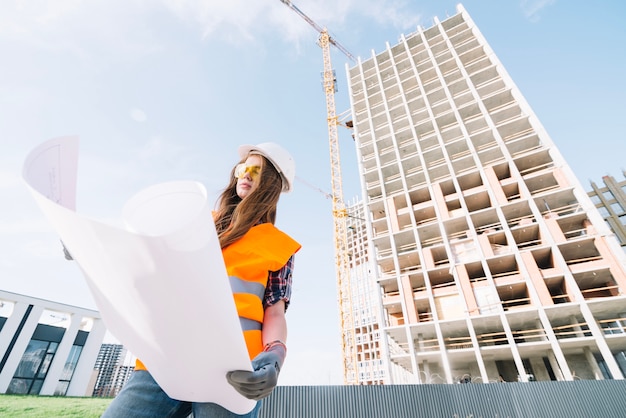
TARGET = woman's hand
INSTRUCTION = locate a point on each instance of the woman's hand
(258, 384)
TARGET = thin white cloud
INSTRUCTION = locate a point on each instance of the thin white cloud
(239, 20)
(235, 18)
(18, 17)
(395, 13)
(38, 23)
(138, 115)
(532, 8)
(71, 25)
(46, 11)
(142, 163)
(98, 32)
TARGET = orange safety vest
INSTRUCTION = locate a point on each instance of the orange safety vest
(262, 249)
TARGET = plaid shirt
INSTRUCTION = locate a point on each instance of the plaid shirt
(279, 285)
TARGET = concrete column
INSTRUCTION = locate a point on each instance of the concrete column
(495, 185)
(426, 370)
(589, 228)
(560, 177)
(60, 357)
(484, 376)
(84, 368)
(429, 260)
(556, 369)
(517, 359)
(556, 356)
(593, 363)
(576, 327)
(20, 344)
(485, 245)
(392, 214)
(10, 328)
(539, 368)
(598, 336)
(571, 290)
(536, 279)
(409, 300)
(468, 290)
(440, 201)
(419, 342)
(553, 227)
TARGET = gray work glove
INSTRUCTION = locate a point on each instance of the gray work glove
(258, 384)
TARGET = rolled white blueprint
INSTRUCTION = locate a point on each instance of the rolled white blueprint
(160, 284)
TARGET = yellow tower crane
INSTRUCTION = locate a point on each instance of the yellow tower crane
(339, 209)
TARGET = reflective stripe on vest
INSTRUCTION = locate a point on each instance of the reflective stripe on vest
(250, 325)
(242, 286)
(248, 261)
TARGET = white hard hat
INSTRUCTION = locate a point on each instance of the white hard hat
(278, 156)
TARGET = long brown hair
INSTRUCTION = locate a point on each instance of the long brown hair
(235, 216)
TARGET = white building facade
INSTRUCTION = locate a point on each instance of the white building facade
(492, 262)
(47, 348)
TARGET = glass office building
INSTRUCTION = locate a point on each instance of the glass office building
(47, 348)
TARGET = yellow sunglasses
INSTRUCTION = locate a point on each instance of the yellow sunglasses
(243, 168)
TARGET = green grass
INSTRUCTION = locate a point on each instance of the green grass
(28, 406)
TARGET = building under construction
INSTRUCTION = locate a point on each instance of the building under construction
(492, 262)
(611, 202)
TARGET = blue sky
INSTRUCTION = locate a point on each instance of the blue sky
(166, 90)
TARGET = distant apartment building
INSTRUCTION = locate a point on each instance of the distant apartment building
(113, 367)
(47, 348)
(611, 202)
(491, 262)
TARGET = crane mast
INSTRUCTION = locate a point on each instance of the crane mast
(342, 263)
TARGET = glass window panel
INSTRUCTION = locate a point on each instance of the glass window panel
(37, 384)
(71, 362)
(19, 386)
(61, 389)
(32, 358)
(53, 348)
(44, 366)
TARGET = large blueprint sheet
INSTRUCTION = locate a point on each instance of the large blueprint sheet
(160, 284)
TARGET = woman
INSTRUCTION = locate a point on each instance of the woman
(259, 262)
